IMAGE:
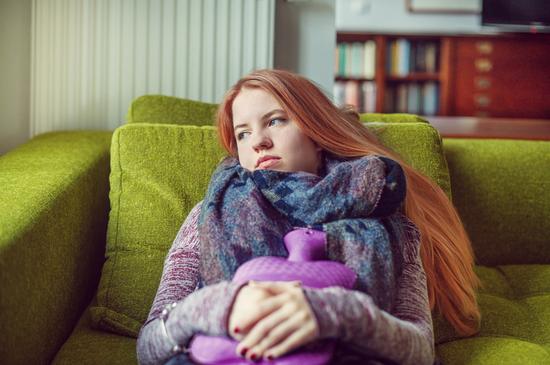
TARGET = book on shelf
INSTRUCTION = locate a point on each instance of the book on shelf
(402, 98)
(352, 93)
(431, 57)
(369, 59)
(418, 60)
(414, 101)
(391, 57)
(414, 97)
(350, 54)
(369, 97)
(430, 96)
(403, 54)
(405, 57)
(339, 93)
(360, 94)
(341, 59)
(356, 62)
(355, 59)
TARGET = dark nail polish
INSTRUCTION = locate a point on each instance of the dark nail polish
(243, 351)
(270, 357)
(253, 357)
(236, 330)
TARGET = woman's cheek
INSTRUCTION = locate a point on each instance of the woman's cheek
(246, 159)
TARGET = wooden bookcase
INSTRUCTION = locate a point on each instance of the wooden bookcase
(497, 75)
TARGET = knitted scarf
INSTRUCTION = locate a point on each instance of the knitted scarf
(245, 214)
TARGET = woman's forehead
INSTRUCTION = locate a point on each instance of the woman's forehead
(253, 104)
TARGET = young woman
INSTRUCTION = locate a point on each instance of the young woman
(273, 120)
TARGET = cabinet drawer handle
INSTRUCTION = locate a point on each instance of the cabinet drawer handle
(482, 83)
(482, 100)
(483, 64)
(484, 47)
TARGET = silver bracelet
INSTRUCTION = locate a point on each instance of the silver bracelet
(176, 348)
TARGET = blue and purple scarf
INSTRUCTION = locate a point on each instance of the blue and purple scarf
(356, 202)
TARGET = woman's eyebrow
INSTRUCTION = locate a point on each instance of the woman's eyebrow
(266, 116)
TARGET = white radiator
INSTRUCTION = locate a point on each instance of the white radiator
(90, 58)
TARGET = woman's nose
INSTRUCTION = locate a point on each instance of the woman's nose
(261, 142)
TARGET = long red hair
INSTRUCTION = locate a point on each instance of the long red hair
(446, 250)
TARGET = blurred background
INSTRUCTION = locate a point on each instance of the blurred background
(77, 64)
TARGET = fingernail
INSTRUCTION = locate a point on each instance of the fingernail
(270, 357)
(236, 330)
(243, 351)
(253, 357)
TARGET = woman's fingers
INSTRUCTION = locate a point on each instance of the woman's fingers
(246, 301)
(267, 339)
(249, 308)
(263, 308)
(291, 315)
(302, 336)
(281, 312)
(262, 330)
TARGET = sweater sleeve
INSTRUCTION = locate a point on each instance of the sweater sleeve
(181, 266)
(404, 337)
(204, 310)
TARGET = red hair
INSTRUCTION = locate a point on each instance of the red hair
(446, 250)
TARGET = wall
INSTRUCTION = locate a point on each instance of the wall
(392, 16)
(304, 41)
(305, 36)
(15, 48)
(92, 58)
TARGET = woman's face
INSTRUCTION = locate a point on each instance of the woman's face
(267, 138)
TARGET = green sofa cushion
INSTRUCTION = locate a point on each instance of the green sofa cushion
(506, 215)
(158, 173)
(88, 346)
(391, 118)
(171, 110)
(515, 326)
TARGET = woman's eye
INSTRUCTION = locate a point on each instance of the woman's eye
(276, 121)
(272, 122)
(241, 135)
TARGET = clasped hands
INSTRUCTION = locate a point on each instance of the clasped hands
(270, 319)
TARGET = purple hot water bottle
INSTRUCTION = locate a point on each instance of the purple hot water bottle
(306, 262)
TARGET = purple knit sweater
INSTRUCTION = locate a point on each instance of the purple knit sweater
(403, 337)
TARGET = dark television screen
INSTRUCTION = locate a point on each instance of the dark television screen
(516, 12)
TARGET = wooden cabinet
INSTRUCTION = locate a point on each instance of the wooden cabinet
(501, 76)
(504, 75)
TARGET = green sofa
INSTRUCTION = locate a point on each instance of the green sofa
(87, 218)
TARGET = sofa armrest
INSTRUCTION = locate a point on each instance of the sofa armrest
(54, 206)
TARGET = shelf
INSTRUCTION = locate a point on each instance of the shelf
(416, 57)
(411, 77)
(349, 78)
(481, 75)
(414, 77)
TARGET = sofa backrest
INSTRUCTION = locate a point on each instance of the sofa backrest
(501, 189)
(158, 173)
(170, 110)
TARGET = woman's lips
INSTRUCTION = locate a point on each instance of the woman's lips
(268, 163)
